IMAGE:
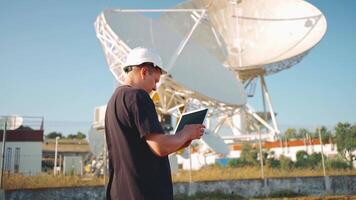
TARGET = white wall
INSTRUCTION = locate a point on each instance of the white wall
(30, 156)
(291, 152)
(199, 160)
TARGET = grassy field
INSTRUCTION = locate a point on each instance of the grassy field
(12, 181)
(217, 173)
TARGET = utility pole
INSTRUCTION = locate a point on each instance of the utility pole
(326, 182)
(261, 154)
(3, 154)
(55, 157)
(322, 152)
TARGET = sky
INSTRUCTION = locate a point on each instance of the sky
(52, 65)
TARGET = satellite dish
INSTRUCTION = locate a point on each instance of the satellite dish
(214, 142)
(13, 122)
(253, 38)
(194, 69)
(255, 34)
(249, 38)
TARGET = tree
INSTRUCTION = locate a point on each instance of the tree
(346, 141)
(25, 128)
(302, 133)
(53, 135)
(290, 133)
(79, 135)
(248, 154)
(325, 134)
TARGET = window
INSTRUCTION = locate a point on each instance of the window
(17, 160)
(8, 157)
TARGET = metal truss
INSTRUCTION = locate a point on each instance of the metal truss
(174, 98)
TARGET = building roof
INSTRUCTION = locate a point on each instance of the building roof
(276, 144)
(22, 135)
(66, 146)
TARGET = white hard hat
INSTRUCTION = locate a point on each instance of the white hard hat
(140, 55)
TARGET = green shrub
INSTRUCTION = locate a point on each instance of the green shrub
(238, 162)
(248, 155)
(302, 159)
(336, 163)
(286, 163)
(314, 160)
(273, 163)
(232, 162)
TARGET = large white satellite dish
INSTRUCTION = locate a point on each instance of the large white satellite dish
(254, 38)
(254, 33)
(194, 69)
(201, 39)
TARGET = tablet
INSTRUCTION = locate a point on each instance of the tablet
(192, 117)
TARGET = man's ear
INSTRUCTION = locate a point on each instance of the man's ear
(143, 72)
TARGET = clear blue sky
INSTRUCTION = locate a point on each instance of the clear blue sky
(52, 65)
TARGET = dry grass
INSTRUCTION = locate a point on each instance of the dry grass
(212, 173)
(13, 181)
(217, 173)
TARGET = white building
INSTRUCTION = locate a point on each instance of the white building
(288, 149)
(23, 151)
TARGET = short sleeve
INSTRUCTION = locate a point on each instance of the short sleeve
(145, 115)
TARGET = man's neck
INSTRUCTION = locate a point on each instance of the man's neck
(132, 82)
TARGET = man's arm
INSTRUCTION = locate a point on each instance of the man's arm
(163, 145)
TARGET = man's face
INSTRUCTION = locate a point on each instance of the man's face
(151, 78)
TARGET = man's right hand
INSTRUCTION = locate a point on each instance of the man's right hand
(162, 144)
(192, 131)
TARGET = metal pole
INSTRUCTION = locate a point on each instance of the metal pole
(3, 154)
(55, 157)
(261, 156)
(270, 108)
(327, 186)
(322, 153)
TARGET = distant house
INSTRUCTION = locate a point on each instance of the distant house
(23, 150)
(288, 149)
(66, 148)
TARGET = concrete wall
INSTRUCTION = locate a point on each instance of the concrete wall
(336, 185)
(86, 193)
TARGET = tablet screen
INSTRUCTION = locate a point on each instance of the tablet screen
(192, 117)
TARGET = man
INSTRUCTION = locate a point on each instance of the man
(137, 146)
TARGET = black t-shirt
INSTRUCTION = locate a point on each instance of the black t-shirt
(135, 171)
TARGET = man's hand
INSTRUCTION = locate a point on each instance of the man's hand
(192, 131)
(163, 145)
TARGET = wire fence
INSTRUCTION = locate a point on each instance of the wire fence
(14, 122)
